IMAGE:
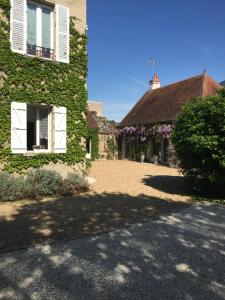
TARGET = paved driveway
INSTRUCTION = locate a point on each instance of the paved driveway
(180, 256)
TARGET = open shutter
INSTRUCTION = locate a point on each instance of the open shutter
(62, 33)
(18, 26)
(60, 130)
(18, 127)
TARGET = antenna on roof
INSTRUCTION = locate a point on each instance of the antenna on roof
(152, 63)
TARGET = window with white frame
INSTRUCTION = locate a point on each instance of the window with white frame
(38, 128)
(40, 30)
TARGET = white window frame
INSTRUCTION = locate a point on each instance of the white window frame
(57, 129)
(39, 25)
(50, 109)
(60, 34)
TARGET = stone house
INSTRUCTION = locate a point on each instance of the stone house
(147, 128)
(107, 140)
(107, 147)
(42, 83)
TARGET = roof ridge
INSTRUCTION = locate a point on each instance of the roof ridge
(176, 82)
(165, 103)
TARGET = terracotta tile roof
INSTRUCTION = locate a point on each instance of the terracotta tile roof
(163, 104)
(91, 121)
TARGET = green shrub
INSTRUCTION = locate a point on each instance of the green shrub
(199, 141)
(74, 183)
(11, 187)
(40, 182)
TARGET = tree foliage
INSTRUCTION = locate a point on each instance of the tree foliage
(199, 141)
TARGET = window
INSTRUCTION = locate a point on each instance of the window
(88, 148)
(156, 146)
(40, 30)
(38, 128)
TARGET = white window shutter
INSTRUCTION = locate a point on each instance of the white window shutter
(60, 136)
(18, 127)
(62, 33)
(18, 26)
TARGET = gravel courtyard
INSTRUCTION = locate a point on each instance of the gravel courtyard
(164, 248)
(124, 193)
(134, 178)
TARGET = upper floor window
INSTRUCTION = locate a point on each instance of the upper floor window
(39, 29)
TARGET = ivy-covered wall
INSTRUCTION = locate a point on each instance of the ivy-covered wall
(31, 80)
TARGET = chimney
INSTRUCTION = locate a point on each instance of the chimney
(155, 82)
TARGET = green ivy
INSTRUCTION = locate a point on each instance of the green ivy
(93, 134)
(111, 148)
(33, 80)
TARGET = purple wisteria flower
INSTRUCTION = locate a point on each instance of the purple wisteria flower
(141, 132)
(129, 131)
(165, 130)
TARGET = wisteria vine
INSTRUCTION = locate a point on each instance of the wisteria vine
(141, 132)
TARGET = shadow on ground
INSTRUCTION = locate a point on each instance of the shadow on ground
(169, 184)
(180, 256)
(76, 217)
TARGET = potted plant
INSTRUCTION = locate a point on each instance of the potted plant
(155, 159)
(142, 156)
(36, 148)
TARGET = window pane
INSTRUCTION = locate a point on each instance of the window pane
(31, 127)
(31, 24)
(43, 115)
(46, 28)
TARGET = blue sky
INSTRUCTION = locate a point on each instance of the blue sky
(184, 37)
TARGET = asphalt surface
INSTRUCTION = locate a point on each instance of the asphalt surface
(181, 256)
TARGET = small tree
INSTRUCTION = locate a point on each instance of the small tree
(199, 141)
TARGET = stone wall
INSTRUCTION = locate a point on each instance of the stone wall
(77, 9)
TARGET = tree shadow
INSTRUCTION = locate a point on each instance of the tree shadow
(79, 216)
(169, 184)
(176, 256)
